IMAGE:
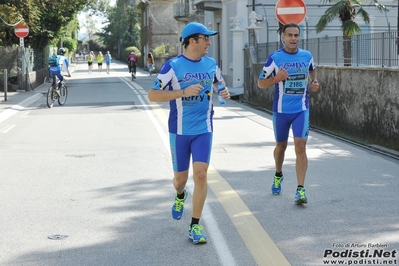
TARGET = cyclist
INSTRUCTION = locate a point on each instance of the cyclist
(132, 63)
(56, 70)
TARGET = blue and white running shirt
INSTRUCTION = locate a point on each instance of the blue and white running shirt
(292, 95)
(189, 115)
(62, 66)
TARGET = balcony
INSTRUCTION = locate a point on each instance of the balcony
(208, 5)
(181, 10)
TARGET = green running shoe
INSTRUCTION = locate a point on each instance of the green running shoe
(276, 187)
(196, 235)
(300, 196)
(178, 207)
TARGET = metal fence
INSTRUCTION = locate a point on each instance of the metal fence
(362, 50)
(19, 62)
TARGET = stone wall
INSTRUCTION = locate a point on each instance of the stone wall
(164, 29)
(358, 103)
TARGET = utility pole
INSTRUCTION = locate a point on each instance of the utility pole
(397, 30)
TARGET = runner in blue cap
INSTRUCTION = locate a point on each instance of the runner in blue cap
(187, 82)
(195, 28)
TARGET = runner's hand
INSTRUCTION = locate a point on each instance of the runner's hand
(282, 74)
(193, 90)
(314, 86)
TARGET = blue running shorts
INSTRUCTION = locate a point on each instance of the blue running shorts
(283, 122)
(182, 147)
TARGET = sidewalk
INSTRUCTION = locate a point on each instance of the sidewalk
(18, 100)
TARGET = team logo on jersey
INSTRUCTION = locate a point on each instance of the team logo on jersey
(204, 79)
(188, 77)
(193, 100)
(298, 66)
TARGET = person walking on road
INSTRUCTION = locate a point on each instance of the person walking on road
(108, 58)
(292, 71)
(90, 59)
(150, 62)
(100, 59)
(187, 82)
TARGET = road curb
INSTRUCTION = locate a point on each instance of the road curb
(18, 107)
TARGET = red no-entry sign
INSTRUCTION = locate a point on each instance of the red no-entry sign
(21, 30)
(290, 11)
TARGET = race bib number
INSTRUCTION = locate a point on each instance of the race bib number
(295, 84)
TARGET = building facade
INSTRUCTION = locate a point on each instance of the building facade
(233, 19)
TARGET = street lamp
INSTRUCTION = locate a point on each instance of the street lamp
(386, 18)
(267, 24)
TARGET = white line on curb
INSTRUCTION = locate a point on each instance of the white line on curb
(18, 107)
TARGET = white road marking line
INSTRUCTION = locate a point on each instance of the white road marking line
(7, 128)
(18, 107)
(225, 256)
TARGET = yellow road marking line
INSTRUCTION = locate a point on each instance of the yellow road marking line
(260, 245)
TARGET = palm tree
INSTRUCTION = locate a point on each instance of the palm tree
(347, 10)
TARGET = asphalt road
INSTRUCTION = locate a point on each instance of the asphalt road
(89, 183)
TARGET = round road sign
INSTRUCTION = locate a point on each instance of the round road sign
(290, 11)
(21, 30)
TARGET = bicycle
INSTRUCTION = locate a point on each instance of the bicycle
(48, 80)
(52, 94)
(132, 68)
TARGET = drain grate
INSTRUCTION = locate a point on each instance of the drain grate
(57, 237)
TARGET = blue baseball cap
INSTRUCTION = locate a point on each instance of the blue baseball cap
(196, 28)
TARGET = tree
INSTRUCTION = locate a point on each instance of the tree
(90, 25)
(97, 7)
(69, 43)
(47, 20)
(123, 29)
(10, 14)
(346, 10)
